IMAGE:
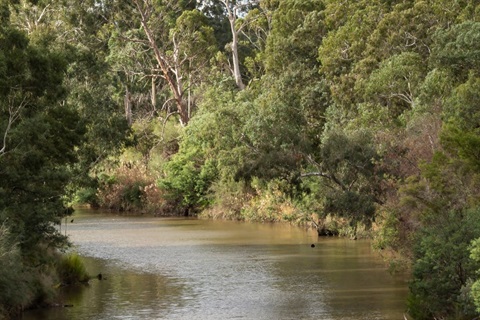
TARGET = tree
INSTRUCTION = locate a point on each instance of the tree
(39, 146)
(396, 83)
(348, 164)
(457, 48)
(234, 9)
(172, 76)
(298, 30)
(173, 62)
(461, 135)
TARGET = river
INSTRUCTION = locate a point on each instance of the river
(181, 268)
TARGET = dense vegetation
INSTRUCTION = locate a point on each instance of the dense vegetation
(361, 116)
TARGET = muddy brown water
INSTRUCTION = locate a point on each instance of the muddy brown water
(180, 268)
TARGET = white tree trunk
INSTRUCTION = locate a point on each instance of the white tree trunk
(232, 17)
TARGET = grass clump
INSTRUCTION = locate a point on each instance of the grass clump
(71, 269)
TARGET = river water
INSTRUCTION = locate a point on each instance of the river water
(180, 268)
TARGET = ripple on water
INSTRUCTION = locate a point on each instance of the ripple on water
(193, 269)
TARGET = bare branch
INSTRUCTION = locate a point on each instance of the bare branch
(330, 177)
(42, 14)
(315, 174)
(13, 115)
(250, 40)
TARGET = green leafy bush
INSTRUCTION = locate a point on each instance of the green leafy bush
(442, 269)
(87, 196)
(188, 180)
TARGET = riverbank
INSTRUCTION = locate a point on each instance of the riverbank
(258, 211)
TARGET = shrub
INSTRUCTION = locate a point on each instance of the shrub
(271, 204)
(156, 202)
(12, 291)
(188, 180)
(229, 200)
(19, 287)
(442, 269)
(123, 191)
(87, 196)
(71, 269)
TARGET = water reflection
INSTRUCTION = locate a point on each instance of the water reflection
(121, 294)
(192, 269)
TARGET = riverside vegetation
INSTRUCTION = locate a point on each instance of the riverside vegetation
(360, 116)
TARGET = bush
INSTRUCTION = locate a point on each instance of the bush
(188, 180)
(71, 269)
(271, 204)
(87, 196)
(442, 269)
(229, 200)
(21, 286)
(123, 191)
(14, 294)
(475, 288)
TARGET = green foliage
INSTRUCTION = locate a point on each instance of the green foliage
(351, 204)
(347, 163)
(195, 37)
(462, 134)
(397, 82)
(475, 289)
(443, 268)
(297, 31)
(458, 48)
(188, 179)
(87, 196)
(23, 285)
(41, 135)
(363, 112)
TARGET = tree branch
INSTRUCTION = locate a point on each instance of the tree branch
(145, 12)
(13, 115)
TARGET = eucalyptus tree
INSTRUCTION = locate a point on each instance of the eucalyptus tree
(336, 163)
(168, 43)
(248, 23)
(234, 10)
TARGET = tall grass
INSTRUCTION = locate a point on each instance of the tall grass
(15, 293)
(71, 269)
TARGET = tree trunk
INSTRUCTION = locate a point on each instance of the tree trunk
(236, 60)
(128, 107)
(236, 64)
(154, 93)
(162, 62)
